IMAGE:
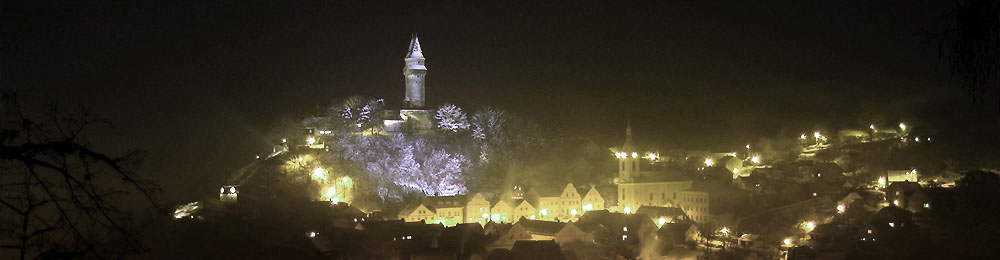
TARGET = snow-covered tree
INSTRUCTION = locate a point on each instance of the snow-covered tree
(451, 119)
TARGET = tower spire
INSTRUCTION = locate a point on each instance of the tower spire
(414, 51)
(628, 147)
(414, 72)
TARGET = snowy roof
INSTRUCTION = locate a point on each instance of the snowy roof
(414, 51)
(654, 211)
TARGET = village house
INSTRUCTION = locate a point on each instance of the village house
(907, 195)
(663, 215)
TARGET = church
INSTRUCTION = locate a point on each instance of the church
(638, 188)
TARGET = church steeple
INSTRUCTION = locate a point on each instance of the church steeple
(414, 71)
(628, 158)
(628, 147)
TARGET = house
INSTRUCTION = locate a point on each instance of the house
(620, 228)
(523, 210)
(477, 209)
(493, 228)
(446, 210)
(405, 237)
(547, 250)
(890, 219)
(526, 229)
(752, 183)
(663, 215)
(575, 233)
(464, 240)
(907, 195)
(565, 204)
(674, 234)
(502, 210)
(909, 175)
(592, 200)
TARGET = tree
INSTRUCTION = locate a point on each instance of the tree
(970, 43)
(451, 119)
(62, 196)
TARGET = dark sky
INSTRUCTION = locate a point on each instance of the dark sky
(197, 85)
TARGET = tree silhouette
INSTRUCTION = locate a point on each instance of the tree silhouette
(970, 43)
(59, 197)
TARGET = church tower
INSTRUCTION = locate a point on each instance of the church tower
(628, 158)
(414, 71)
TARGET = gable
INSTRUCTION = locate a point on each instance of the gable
(569, 191)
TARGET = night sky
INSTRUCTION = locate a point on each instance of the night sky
(197, 85)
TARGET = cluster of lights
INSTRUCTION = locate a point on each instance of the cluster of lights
(652, 156)
(621, 155)
(319, 174)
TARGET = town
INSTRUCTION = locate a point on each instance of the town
(500, 130)
(813, 195)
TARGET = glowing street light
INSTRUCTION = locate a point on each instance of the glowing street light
(809, 226)
(709, 162)
(628, 210)
(803, 136)
(872, 127)
(635, 155)
(319, 174)
(330, 193)
(788, 242)
(724, 231)
(755, 159)
(311, 140)
(902, 126)
(841, 208)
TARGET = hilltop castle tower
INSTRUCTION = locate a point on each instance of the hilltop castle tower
(414, 71)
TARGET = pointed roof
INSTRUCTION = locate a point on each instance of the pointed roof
(628, 147)
(414, 51)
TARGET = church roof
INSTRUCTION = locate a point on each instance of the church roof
(628, 146)
(654, 211)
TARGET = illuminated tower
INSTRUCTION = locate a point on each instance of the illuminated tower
(628, 158)
(414, 71)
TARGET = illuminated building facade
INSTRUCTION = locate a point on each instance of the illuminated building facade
(637, 188)
(566, 205)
